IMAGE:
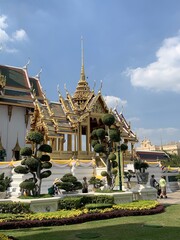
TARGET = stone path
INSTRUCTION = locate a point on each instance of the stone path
(172, 198)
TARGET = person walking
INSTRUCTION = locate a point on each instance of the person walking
(162, 184)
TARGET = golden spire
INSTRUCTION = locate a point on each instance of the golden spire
(82, 89)
(83, 78)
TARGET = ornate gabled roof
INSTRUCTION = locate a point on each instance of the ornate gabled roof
(17, 89)
(35, 85)
(126, 131)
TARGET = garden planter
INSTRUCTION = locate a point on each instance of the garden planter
(2, 195)
(142, 177)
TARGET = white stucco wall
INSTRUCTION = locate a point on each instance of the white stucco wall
(13, 129)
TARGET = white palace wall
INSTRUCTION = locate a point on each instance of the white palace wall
(12, 129)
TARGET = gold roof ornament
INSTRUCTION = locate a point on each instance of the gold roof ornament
(17, 147)
(2, 82)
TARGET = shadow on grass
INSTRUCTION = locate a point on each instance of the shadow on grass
(134, 231)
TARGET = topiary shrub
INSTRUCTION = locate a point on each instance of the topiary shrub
(96, 182)
(106, 140)
(34, 162)
(99, 148)
(108, 119)
(4, 182)
(124, 147)
(69, 183)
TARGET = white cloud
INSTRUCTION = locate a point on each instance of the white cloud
(164, 73)
(113, 102)
(158, 136)
(3, 36)
(3, 23)
(20, 35)
(5, 39)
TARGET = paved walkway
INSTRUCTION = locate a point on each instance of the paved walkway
(172, 198)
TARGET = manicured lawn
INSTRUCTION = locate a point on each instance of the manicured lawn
(164, 226)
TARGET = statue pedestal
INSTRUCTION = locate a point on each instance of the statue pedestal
(142, 192)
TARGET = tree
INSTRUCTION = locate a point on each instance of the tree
(34, 160)
(104, 141)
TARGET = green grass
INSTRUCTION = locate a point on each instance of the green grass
(153, 227)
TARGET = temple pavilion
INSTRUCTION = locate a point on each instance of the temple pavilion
(66, 124)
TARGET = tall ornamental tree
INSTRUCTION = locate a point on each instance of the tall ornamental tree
(35, 161)
(105, 141)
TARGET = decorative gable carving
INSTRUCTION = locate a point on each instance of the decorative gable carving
(99, 107)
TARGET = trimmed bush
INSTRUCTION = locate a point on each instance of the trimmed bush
(35, 137)
(98, 206)
(45, 148)
(124, 147)
(26, 151)
(112, 156)
(21, 170)
(98, 148)
(108, 119)
(45, 158)
(114, 135)
(100, 132)
(14, 208)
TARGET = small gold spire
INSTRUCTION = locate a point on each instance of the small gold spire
(83, 78)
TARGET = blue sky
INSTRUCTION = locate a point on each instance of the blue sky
(133, 46)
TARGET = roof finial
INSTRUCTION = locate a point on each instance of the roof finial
(82, 61)
(58, 90)
(94, 85)
(38, 75)
(26, 65)
(100, 87)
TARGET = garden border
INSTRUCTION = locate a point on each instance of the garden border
(80, 219)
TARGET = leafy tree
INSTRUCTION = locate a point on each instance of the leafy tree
(104, 141)
(34, 161)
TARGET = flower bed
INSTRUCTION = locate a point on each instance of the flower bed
(81, 217)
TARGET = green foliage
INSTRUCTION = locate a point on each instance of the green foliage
(70, 203)
(140, 165)
(98, 206)
(3, 236)
(112, 156)
(34, 162)
(104, 174)
(108, 119)
(100, 132)
(78, 202)
(45, 148)
(35, 137)
(45, 158)
(124, 147)
(173, 161)
(2, 154)
(96, 182)
(27, 185)
(14, 207)
(46, 165)
(114, 171)
(45, 174)
(69, 183)
(114, 135)
(21, 170)
(26, 151)
(98, 148)
(114, 164)
(93, 134)
(94, 142)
